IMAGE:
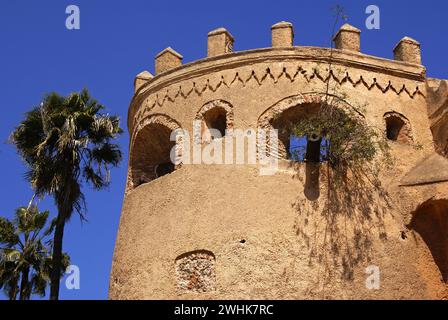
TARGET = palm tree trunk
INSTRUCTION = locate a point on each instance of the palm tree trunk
(24, 292)
(55, 275)
(13, 294)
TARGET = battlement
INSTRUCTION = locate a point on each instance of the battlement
(185, 208)
(170, 69)
(347, 39)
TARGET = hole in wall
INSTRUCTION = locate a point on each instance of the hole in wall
(216, 119)
(397, 128)
(403, 235)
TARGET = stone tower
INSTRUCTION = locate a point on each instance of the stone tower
(225, 231)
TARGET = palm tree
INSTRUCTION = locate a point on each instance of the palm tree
(65, 142)
(25, 253)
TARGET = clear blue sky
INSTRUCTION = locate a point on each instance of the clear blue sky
(118, 39)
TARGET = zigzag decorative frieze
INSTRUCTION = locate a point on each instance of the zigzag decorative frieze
(300, 72)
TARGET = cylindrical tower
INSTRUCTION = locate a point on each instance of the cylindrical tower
(203, 230)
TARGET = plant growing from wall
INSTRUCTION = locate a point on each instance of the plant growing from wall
(348, 141)
(353, 153)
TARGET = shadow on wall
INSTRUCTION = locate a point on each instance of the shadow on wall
(342, 212)
(340, 222)
(430, 221)
(312, 185)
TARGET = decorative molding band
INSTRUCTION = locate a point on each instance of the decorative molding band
(214, 66)
(315, 74)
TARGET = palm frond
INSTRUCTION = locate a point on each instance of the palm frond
(17, 259)
(65, 142)
(8, 235)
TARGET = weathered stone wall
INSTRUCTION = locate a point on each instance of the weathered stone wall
(269, 240)
(224, 231)
(438, 113)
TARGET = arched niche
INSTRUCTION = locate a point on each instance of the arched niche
(195, 272)
(289, 111)
(152, 149)
(217, 115)
(398, 127)
(430, 221)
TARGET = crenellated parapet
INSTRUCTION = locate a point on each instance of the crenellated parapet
(166, 60)
(221, 42)
(195, 168)
(251, 81)
(223, 67)
(348, 38)
(282, 34)
(408, 50)
(269, 66)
